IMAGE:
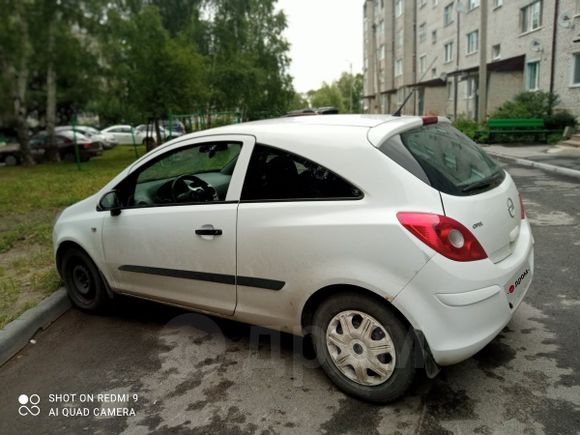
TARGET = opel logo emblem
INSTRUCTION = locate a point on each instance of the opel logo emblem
(511, 208)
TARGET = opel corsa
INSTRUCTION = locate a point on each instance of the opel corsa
(394, 242)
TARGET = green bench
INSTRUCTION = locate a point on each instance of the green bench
(518, 127)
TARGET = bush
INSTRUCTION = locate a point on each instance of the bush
(537, 104)
(471, 129)
(560, 120)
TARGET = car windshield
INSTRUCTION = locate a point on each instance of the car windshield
(452, 162)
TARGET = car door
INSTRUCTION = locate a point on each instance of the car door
(175, 238)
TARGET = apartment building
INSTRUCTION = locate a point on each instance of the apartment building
(435, 47)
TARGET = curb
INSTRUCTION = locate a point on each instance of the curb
(545, 166)
(17, 333)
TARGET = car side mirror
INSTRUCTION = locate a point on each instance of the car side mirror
(110, 201)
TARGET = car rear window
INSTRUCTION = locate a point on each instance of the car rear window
(445, 158)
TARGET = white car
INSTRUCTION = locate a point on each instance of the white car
(124, 134)
(390, 240)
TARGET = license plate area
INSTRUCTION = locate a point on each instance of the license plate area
(518, 284)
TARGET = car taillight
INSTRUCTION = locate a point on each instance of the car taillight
(522, 209)
(443, 234)
(87, 145)
(430, 120)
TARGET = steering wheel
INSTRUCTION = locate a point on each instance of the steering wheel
(189, 188)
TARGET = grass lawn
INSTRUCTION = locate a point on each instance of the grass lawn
(30, 199)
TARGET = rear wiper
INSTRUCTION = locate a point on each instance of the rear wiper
(481, 184)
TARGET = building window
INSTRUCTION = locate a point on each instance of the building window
(434, 72)
(497, 3)
(398, 8)
(399, 38)
(422, 33)
(449, 91)
(422, 3)
(471, 87)
(435, 3)
(422, 64)
(472, 42)
(496, 52)
(472, 4)
(398, 67)
(381, 28)
(434, 36)
(448, 14)
(576, 69)
(531, 16)
(533, 76)
(381, 52)
(448, 52)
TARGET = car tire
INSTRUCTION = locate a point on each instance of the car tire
(69, 157)
(83, 281)
(11, 160)
(352, 358)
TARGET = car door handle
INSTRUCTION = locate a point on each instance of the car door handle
(208, 232)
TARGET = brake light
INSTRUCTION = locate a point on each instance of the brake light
(443, 234)
(429, 120)
(87, 145)
(522, 209)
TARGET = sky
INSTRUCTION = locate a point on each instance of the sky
(325, 37)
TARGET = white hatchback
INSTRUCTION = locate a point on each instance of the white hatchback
(394, 242)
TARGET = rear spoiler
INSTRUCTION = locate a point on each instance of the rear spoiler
(378, 134)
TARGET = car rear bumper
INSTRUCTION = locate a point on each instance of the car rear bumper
(461, 307)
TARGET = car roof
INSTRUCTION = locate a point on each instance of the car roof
(375, 127)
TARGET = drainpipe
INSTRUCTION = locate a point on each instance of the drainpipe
(482, 91)
(553, 54)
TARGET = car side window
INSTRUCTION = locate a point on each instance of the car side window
(188, 175)
(274, 174)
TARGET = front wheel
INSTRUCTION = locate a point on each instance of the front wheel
(363, 347)
(83, 281)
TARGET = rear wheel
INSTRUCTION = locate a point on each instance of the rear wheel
(83, 281)
(363, 347)
(11, 160)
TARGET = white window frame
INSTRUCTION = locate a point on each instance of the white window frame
(471, 90)
(447, 59)
(527, 76)
(494, 55)
(449, 91)
(434, 36)
(398, 67)
(422, 3)
(422, 37)
(398, 8)
(575, 65)
(399, 38)
(448, 14)
(472, 4)
(497, 4)
(381, 55)
(528, 15)
(472, 43)
(435, 3)
(422, 64)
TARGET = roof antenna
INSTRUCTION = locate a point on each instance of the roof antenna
(398, 111)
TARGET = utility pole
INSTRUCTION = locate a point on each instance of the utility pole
(482, 110)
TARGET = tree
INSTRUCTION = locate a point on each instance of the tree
(15, 52)
(345, 94)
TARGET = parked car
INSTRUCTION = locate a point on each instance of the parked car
(9, 148)
(389, 240)
(107, 140)
(65, 141)
(149, 131)
(123, 134)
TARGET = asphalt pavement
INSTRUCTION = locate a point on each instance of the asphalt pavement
(148, 368)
